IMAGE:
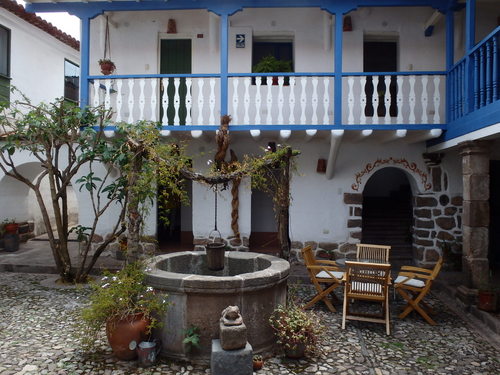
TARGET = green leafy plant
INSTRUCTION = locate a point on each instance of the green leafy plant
(270, 64)
(118, 295)
(294, 326)
(191, 337)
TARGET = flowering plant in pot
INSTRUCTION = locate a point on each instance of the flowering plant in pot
(298, 331)
(107, 66)
(126, 306)
(10, 226)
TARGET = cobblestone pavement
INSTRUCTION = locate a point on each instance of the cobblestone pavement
(37, 336)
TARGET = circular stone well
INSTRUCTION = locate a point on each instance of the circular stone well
(256, 283)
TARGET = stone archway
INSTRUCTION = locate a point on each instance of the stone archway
(388, 212)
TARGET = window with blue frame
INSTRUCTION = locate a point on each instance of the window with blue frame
(71, 81)
(4, 64)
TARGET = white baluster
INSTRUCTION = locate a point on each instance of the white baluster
(131, 100)
(258, 99)
(164, 101)
(107, 96)
(97, 83)
(246, 100)
(201, 101)
(153, 99)
(314, 101)
(119, 101)
(142, 101)
(269, 100)
(303, 100)
(189, 101)
(234, 115)
(291, 101)
(387, 99)
(424, 99)
(375, 100)
(437, 100)
(281, 100)
(362, 95)
(399, 99)
(350, 100)
(211, 102)
(411, 119)
(326, 101)
(177, 100)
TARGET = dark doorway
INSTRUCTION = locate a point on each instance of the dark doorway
(175, 58)
(494, 248)
(380, 56)
(175, 234)
(264, 229)
(387, 213)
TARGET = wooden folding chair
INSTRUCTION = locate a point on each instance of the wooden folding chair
(367, 282)
(369, 252)
(413, 284)
(325, 275)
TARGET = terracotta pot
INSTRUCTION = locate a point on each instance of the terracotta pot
(257, 364)
(11, 228)
(215, 256)
(487, 300)
(125, 334)
(107, 68)
(296, 352)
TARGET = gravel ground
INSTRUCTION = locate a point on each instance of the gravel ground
(37, 336)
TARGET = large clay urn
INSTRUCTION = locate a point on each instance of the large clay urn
(125, 334)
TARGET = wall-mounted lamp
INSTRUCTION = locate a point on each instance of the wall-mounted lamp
(321, 166)
(347, 25)
(171, 26)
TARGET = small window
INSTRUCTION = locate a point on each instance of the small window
(4, 64)
(272, 55)
(71, 81)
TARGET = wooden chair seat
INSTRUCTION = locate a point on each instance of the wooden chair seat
(413, 284)
(325, 275)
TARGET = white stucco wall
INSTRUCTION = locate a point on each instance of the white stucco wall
(37, 60)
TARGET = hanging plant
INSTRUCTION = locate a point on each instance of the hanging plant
(106, 64)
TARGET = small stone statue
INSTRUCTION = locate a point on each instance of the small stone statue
(231, 316)
(233, 332)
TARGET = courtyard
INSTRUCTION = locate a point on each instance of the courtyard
(39, 335)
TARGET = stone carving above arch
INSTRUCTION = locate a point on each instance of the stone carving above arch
(401, 163)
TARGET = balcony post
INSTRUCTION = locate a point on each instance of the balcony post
(338, 37)
(450, 46)
(224, 63)
(470, 41)
(85, 60)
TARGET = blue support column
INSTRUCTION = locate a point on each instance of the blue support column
(84, 62)
(450, 57)
(470, 41)
(338, 68)
(224, 62)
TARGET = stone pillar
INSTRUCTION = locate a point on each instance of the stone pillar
(476, 210)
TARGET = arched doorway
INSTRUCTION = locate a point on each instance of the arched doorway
(387, 213)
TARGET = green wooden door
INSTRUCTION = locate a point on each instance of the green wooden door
(175, 57)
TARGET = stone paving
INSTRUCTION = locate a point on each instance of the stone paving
(38, 336)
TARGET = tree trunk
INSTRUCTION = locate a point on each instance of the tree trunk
(283, 201)
(133, 214)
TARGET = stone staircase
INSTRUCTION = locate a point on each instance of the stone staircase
(387, 221)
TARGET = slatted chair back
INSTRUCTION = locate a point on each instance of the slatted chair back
(325, 275)
(374, 253)
(413, 284)
(367, 282)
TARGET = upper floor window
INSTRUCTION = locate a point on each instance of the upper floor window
(4, 64)
(71, 81)
(272, 55)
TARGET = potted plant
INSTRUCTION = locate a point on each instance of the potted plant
(10, 226)
(270, 64)
(297, 330)
(107, 66)
(257, 362)
(126, 306)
